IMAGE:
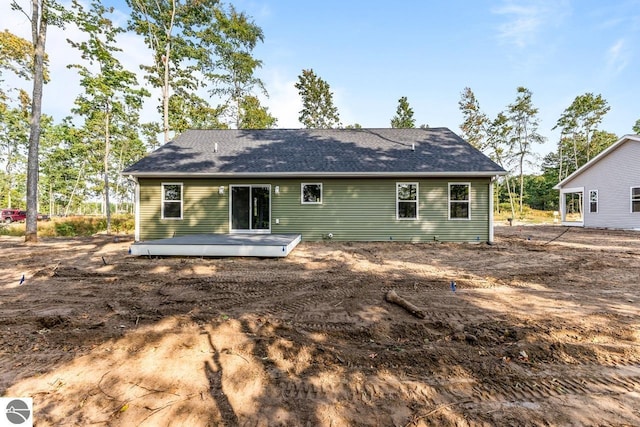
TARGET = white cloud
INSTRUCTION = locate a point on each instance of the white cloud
(617, 57)
(526, 20)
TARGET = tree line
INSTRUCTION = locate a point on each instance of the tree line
(509, 139)
(204, 68)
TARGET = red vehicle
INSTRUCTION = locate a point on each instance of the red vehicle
(13, 215)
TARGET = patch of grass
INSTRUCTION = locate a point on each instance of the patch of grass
(74, 226)
(528, 216)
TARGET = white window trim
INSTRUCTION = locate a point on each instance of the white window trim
(302, 201)
(597, 202)
(631, 200)
(468, 201)
(173, 201)
(417, 217)
(563, 206)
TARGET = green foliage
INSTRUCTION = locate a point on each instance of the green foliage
(318, 111)
(234, 36)
(523, 116)
(475, 122)
(190, 111)
(636, 127)
(42, 14)
(579, 128)
(254, 116)
(112, 99)
(16, 55)
(404, 115)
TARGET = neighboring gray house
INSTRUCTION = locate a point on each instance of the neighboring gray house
(344, 184)
(605, 192)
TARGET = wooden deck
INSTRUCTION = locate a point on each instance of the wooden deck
(219, 245)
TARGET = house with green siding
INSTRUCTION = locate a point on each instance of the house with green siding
(412, 185)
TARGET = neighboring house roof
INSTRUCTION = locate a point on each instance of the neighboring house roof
(316, 152)
(596, 159)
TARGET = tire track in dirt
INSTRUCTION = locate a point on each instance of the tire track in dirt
(537, 389)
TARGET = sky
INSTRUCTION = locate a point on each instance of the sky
(373, 52)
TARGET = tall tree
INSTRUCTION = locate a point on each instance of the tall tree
(111, 99)
(253, 115)
(404, 115)
(14, 137)
(636, 127)
(175, 56)
(524, 118)
(318, 111)
(234, 36)
(475, 122)
(187, 110)
(578, 124)
(43, 13)
(499, 145)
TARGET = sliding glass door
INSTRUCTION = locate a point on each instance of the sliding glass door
(250, 208)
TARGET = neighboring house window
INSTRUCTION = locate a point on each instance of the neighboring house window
(593, 201)
(311, 194)
(459, 200)
(635, 199)
(407, 200)
(172, 201)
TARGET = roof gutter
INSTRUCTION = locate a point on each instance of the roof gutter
(484, 174)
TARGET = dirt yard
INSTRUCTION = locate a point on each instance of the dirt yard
(538, 332)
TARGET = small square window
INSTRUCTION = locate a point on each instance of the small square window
(311, 194)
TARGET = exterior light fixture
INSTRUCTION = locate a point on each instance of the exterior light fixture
(221, 189)
(277, 189)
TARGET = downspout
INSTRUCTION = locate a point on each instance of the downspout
(136, 207)
(493, 178)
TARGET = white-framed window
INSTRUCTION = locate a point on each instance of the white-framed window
(459, 200)
(635, 199)
(593, 201)
(311, 193)
(172, 200)
(406, 200)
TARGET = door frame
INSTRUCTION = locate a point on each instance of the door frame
(248, 231)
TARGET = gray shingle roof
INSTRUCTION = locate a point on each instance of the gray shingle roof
(327, 152)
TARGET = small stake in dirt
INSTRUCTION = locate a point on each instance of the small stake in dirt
(104, 261)
(21, 279)
(453, 286)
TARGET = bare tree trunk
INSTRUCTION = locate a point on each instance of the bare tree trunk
(39, 37)
(106, 170)
(513, 207)
(75, 187)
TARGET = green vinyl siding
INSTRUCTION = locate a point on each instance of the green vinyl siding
(365, 210)
(204, 210)
(351, 210)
